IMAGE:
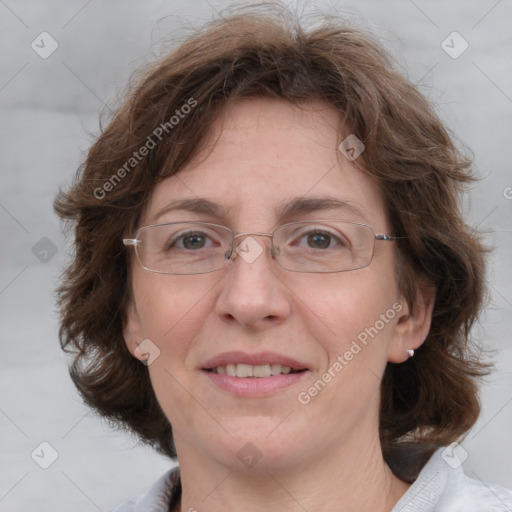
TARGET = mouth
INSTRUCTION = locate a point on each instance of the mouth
(253, 375)
(253, 371)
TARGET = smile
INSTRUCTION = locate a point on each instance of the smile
(249, 370)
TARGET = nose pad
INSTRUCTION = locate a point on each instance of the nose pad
(227, 255)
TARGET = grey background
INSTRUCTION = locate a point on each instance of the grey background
(50, 108)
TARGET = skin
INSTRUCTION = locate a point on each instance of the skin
(324, 455)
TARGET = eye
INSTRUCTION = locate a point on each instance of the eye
(190, 240)
(323, 239)
(319, 240)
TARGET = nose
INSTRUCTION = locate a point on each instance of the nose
(253, 293)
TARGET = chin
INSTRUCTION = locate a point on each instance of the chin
(258, 444)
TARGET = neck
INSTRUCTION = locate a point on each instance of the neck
(348, 478)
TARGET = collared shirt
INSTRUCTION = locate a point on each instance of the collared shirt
(438, 488)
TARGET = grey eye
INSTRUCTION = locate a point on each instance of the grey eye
(191, 240)
(195, 241)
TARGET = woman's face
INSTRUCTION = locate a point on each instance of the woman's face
(339, 328)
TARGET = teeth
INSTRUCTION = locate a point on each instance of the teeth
(244, 370)
(249, 370)
(275, 369)
(262, 370)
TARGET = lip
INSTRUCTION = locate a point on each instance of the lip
(237, 357)
(253, 387)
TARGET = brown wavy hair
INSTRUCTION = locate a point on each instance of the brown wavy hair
(266, 50)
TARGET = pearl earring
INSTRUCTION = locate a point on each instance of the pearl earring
(410, 352)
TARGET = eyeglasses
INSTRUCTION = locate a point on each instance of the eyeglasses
(201, 247)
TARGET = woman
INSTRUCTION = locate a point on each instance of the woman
(273, 282)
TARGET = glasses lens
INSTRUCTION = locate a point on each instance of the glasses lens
(324, 246)
(183, 248)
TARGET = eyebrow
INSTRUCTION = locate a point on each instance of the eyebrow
(196, 205)
(301, 205)
(292, 208)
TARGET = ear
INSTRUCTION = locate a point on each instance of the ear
(413, 325)
(133, 331)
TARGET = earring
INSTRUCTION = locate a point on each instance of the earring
(410, 352)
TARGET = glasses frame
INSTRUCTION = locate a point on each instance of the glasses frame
(135, 243)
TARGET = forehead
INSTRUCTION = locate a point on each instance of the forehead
(262, 156)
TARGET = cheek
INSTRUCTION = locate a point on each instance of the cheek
(359, 315)
(171, 311)
(350, 307)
